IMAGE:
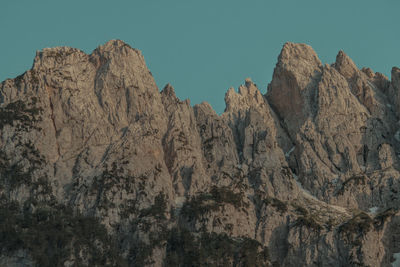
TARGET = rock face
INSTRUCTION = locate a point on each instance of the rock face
(98, 167)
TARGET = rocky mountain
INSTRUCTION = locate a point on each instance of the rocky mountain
(100, 168)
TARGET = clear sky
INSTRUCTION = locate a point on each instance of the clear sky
(204, 47)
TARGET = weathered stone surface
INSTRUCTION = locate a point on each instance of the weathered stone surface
(100, 168)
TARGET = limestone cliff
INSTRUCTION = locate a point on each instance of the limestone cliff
(100, 168)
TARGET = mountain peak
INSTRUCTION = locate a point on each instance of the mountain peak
(168, 92)
(114, 45)
(298, 53)
(49, 58)
(294, 80)
(345, 65)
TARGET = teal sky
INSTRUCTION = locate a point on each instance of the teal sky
(204, 47)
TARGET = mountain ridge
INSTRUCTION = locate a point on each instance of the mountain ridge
(307, 174)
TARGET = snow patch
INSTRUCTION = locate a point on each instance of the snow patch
(305, 191)
(396, 262)
(373, 210)
(290, 152)
(373, 87)
(397, 135)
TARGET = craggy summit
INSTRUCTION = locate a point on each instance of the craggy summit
(100, 168)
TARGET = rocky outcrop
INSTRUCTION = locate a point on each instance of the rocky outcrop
(98, 167)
